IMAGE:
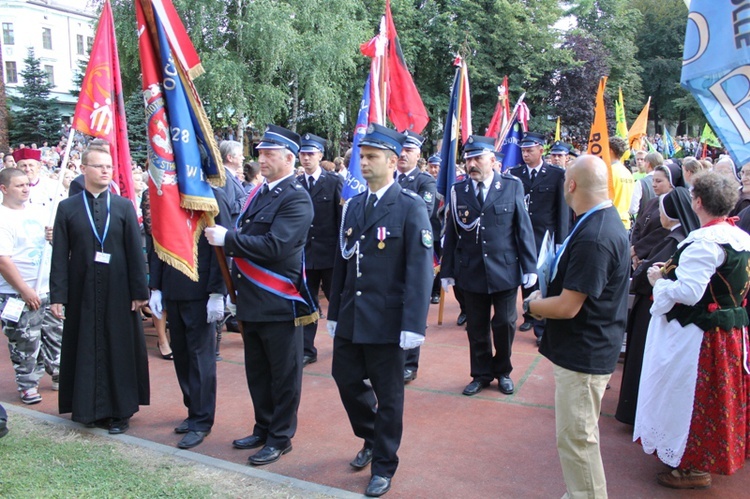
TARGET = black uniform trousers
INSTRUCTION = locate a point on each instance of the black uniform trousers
(193, 343)
(376, 412)
(273, 367)
(315, 279)
(484, 366)
(538, 324)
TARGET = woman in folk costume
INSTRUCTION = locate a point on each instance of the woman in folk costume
(695, 384)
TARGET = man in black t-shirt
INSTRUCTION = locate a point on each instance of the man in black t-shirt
(586, 309)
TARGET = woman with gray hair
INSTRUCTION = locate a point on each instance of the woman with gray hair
(695, 383)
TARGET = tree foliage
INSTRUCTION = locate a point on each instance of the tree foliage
(37, 118)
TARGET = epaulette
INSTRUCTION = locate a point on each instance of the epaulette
(409, 193)
(296, 185)
(510, 176)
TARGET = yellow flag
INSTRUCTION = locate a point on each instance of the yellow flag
(621, 128)
(638, 130)
(599, 136)
(557, 130)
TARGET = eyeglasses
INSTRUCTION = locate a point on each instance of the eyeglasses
(100, 167)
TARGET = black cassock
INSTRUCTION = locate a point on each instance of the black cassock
(103, 364)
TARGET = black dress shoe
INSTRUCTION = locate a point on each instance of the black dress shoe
(268, 455)
(364, 457)
(192, 439)
(308, 359)
(182, 428)
(475, 387)
(526, 326)
(505, 385)
(461, 319)
(249, 442)
(435, 299)
(410, 375)
(378, 486)
(119, 425)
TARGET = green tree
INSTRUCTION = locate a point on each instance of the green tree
(137, 127)
(37, 117)
(661, 41)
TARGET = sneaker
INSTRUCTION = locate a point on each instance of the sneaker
(56, 382)
(30, 396)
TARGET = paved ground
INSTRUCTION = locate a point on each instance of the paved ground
(490, 445)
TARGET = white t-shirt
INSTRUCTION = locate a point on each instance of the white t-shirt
(22, 239)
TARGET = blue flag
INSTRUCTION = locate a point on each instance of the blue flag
(716, 70)
(354, 183)
(511, 146)
(449, 151)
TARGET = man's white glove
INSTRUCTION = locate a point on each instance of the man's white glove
(447, 282)
(215, 308)
(331, 326)
(155, 304)
(216, 235)
(528, 280)
(231, 306)
(410, 340)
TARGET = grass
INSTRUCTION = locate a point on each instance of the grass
(43, 460)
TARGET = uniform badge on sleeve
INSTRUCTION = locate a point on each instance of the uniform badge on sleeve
(427, 238)
(427, 197)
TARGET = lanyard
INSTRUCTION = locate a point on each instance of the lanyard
(600, 206)
(91, 219)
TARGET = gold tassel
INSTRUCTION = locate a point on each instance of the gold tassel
(307, 319)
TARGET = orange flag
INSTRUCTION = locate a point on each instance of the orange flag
(599, 136)
(638, 129)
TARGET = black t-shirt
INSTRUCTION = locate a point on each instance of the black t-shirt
(595, 263)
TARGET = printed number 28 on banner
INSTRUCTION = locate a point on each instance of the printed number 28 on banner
(178, 134)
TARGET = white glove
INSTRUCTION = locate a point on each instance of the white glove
(557, 247)
(231, 306)
(216, 235)
(331, 326)
(447, 282)
(155, 304)
(410, 340)
(528, 280)
(215, 308)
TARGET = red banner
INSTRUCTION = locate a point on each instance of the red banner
(100, 111)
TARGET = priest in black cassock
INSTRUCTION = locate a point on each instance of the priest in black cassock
(99, 277)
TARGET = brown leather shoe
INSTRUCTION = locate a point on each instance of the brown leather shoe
(684, 479)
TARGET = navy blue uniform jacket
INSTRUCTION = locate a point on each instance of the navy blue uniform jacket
(496, 258)
(392, 294)
(323, 235)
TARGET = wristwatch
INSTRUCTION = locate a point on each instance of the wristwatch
(526, 306)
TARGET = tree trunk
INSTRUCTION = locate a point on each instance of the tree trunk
(295, 104)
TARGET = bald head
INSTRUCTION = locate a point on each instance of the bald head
(586, 183)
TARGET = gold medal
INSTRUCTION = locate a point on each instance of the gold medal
(381, 245)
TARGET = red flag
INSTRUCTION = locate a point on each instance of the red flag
(100, 111)
(178, 199)
(405, 107)
(375, 49)
(502, 111)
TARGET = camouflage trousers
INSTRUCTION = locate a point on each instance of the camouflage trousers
(34, 343)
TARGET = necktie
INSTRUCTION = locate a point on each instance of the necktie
(310, 182)
(264, 190)
(401, 178)
(533, 175)
(480, 194)
(370, 206)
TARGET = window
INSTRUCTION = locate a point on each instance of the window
(50, 74)
(79, 44)
(11, 73)
(8, 37)
(47, 38)
(89, 42)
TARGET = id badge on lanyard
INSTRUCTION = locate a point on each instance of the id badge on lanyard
(100, 256)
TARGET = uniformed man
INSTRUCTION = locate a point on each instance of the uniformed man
(325, 191)
(267, 248)
(558, 154)
(379, 302)
(193, 308)
(436, 220)
(488, 253)
(424, 185)
(545, 200)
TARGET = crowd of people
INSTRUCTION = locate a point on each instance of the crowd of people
(577, 236)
